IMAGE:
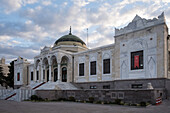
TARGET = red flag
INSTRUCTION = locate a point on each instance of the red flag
(136, 61)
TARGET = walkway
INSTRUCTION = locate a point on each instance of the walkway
(69, 107)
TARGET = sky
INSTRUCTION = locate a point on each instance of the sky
(26, 26)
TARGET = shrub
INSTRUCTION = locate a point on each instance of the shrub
(91, 99)
(71, 99)
(117, 101)
(62, 99)
(34, 97)
(143, 103)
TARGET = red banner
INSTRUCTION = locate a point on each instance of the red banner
(18, 77)
(136, 61)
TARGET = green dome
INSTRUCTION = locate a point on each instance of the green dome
(69, 37)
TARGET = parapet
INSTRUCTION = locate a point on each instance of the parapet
(139, 23)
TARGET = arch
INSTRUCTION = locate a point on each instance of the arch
(106, 56)
(138, 44)
(64, 60)
(53, 60)
(45, 62)
(36, 63)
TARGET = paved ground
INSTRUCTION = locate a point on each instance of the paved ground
(69, 107)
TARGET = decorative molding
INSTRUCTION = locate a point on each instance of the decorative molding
(139, 23)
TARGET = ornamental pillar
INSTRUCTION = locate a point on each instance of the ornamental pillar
(50, 73)
(42, 68)
(59, 77)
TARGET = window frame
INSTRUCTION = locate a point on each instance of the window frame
(82, 74)
(95, 72)
(103, 66)
(139, 53)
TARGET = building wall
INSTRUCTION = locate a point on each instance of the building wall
(21, 66)
(98, 55)
(152, 39)
(30, 69)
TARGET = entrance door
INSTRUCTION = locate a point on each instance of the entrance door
(47, 75)
(64, 74)
(55, 74)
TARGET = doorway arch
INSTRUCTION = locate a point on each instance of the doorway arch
(64, 74)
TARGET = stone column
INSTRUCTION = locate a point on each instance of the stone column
(35, 74)
(50, 72)
(42, 68)
(59, 78)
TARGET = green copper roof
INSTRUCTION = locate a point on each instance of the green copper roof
(69, 37)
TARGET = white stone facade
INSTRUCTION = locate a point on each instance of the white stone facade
(62, 63)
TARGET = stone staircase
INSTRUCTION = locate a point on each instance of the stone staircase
(21, 93)
(24, 93)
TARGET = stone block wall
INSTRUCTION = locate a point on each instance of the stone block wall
(125, 84)
(168, 88)
(129, 96)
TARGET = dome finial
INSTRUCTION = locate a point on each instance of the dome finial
(70, 31)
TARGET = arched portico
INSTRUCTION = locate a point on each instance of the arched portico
(54, 68)
(37, 70)
(45, 70)
(64, 64)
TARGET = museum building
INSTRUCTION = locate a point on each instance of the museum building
(139, 59)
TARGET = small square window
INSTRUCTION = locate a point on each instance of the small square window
(106, 86)
(114, 95)
(120, 95)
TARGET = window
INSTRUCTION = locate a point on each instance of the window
(81, 69)
(37, 75)
(93, 87)
(18, 76)
(106, 87)
(136, 86)
(32, 76)
(106, 66)
(137, 60)
(93, 68)
(120, 95)
(114, 95)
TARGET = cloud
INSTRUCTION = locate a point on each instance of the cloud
(46, 3)
(9, 5)
(31, 24)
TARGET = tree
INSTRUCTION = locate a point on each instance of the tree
(10, 77)
(2, 77)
